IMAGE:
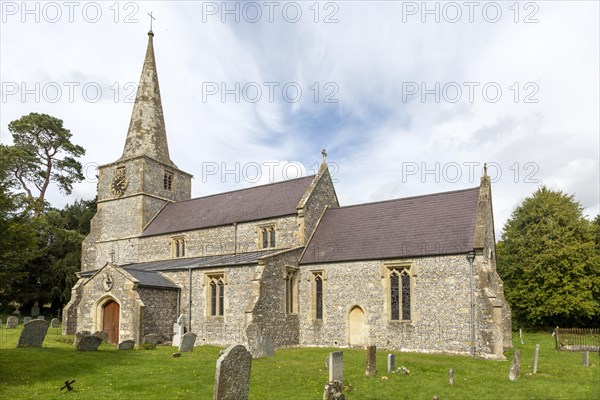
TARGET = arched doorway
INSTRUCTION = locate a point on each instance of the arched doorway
(110, 320)
(357, 327)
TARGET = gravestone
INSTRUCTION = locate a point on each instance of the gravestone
(187, 342)
(536, 355)
(35, 310)
(12, 322)
(260, 345)
(515, 367)
(391, 363)
(451, 376)
(371, 360)
(177, 333)
(54, 323)
(88, 343)
(41, 318)
(26, 320)
(336, 366)
(101, 334)
(333, 391)
(232, 375)
(33, 334)
(79, 335)
(585, 359)
(151, 338)
(126, 345)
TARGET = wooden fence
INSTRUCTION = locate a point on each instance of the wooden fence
(577, 339)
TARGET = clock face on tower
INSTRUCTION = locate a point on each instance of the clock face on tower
(118, 185)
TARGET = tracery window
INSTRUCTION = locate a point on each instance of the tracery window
(178, 247)
(267, 237)
(291, 291)
(216, 297)
(399, 294)
(318, 295)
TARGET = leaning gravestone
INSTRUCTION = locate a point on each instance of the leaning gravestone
(54, 323)
(260, 345)
(371, 360)
(26, 320)
(151, 339)
(232, 376)
(187, 342)
(126, 345)
(89, 343)
(79, 335)
(101, 334)
(12, 322)
(515, 368)
(336, 366)
(33, 334)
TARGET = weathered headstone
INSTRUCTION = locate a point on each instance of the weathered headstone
(232, 375)
(536, 355)
(585, 359)
(126, 345)
(151, 338)
(35, 310)
(371, 360)
(33, 334)
(391, 363)
(88, 343)
(26, 319)
(515, 367)
(336, 366)
(79, 335)
(12, 322)
(333, 391)
(177, 333)
(54, 323)
(41, 318)
(101, 334)
(187, 342)
(259, 345)
(451, 376)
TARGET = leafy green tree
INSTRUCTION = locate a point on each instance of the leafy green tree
(42, 153)
(549, 262)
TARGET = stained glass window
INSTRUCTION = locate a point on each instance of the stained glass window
(319, 297)
(395, 296)
(405, 295)
(213, 298)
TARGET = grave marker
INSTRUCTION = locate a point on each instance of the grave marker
(26, 320)
(12, 322)
(391, 363)
(336, 366)
(232, 375)
(515, 367)
(88, 343)
(536, 355)
(126, 345)
(187, 342)
(371, 360)
(33, 334)
(54, 323)
(451, 376)
(585, 359)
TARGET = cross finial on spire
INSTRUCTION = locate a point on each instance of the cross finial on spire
(151, 18)
(484, 169)
(324, 153)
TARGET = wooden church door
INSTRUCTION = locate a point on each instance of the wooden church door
(357, 327)
(110, 321)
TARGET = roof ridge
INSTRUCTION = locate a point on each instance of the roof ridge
(405, 198)
(248, 188)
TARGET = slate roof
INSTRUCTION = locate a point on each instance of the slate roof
(152, 279)
(199, 262)
(251, 204)
(434, 224)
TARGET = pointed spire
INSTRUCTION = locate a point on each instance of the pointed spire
(147, 134)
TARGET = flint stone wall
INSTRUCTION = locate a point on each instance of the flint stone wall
(440, 314)
(160, 312)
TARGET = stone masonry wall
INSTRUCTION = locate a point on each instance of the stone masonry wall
(440, 320)
(216, 330)
(160, 312)
(322, 196)
(220, 240)
(267, 305)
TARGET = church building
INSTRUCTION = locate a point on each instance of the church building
(283, 262)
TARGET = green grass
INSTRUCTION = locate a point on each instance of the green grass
(297, 373)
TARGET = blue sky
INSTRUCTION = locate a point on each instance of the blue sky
(397, 126)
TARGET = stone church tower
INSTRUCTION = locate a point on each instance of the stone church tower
(133, 189)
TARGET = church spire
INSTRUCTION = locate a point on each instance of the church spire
(147, 135)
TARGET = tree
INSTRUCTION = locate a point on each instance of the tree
(42, 153)
(549, 262)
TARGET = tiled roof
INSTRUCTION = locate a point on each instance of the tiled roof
(251, 204)
(200, 262)
(434, 224)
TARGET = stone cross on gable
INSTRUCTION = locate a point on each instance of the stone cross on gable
(324, 153)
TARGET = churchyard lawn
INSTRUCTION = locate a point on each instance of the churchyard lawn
(298, 373)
